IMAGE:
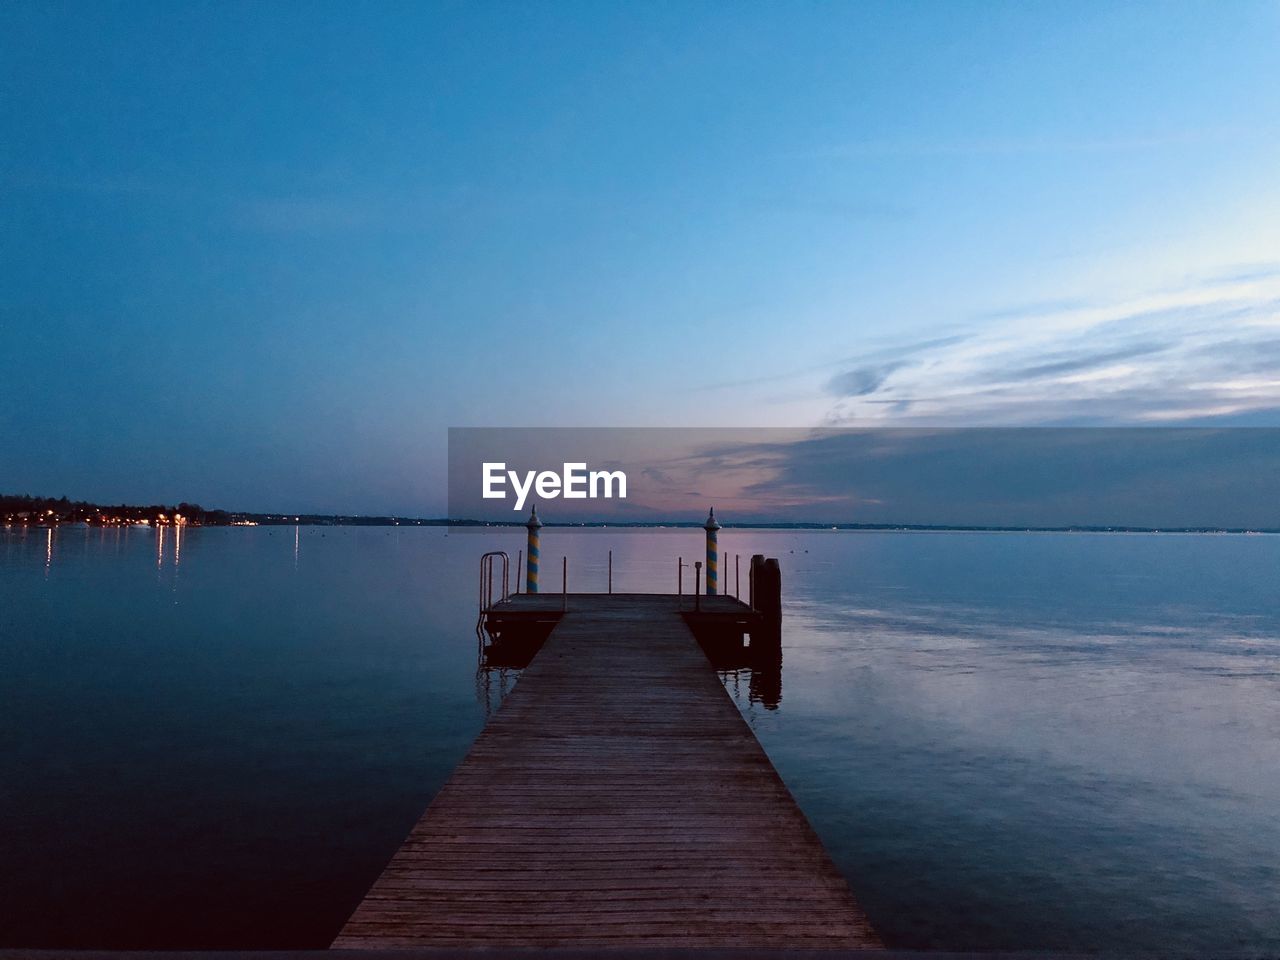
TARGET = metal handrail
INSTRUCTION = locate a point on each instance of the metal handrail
(486, 582)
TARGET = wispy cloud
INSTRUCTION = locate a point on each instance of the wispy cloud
(1063, 363)
(861, 381)
(884, 355)
(1042, 308)
(1210, 349)
(1244, 272)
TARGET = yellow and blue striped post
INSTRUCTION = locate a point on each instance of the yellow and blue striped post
(531, 564)
(713, 554)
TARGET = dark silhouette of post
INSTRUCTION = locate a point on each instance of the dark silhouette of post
(766, 599)
(756, 560)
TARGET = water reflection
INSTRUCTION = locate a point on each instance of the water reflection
(761, 672)
(492, 686)
(501, 657)
(1066, 743)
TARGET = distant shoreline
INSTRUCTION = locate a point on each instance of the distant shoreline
(254, 520)
(24, 510)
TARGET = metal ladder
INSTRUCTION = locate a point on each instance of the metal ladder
(487, 585)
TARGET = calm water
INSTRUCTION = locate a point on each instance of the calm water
(1006, 741)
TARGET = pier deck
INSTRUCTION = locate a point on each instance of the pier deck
(617, 799)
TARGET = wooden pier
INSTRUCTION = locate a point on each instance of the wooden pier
(617, 799)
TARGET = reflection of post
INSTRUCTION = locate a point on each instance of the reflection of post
(766, 678)
(713, 554)
(531, 567)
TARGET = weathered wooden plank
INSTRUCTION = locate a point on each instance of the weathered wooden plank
(617, 799)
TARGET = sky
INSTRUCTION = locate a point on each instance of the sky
(1160, 477)
(263, 256)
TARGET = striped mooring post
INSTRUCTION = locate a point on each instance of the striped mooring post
(713, 554)
(531, 563)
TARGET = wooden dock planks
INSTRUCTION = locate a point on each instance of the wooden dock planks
(617, 799)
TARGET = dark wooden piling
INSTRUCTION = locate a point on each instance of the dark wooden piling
(766, 600)
(617, 799)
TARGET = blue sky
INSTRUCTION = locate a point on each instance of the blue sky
(262, 256)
